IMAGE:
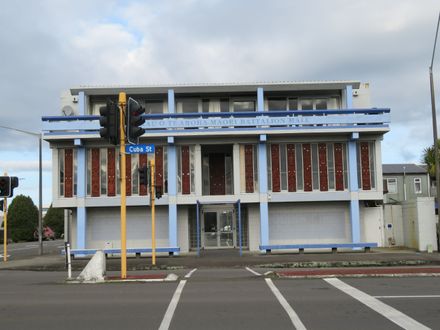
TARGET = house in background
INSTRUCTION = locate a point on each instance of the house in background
(404, 182)
(409, 211)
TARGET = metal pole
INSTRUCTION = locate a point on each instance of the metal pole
(239, 227)
(122, 103)
(40, 197)
(153, 214)
(40, 192)
(434, 119)
(5, 229)
(198, 227)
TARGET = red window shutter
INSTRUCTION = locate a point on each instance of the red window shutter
(68, 172)
(185, 170)
(95, 172)
(143, 161)
(307, 167)
(323, 178)
(159, 167)
(111, 172)
(128, 175)
(291, 168)
(365, 166)
(275, 152)
(249, 167)
(339, 169)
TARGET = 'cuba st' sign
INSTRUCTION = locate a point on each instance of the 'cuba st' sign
(139, 148)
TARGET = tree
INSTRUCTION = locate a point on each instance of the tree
(54, 219)
(429, 159)
(22, 219)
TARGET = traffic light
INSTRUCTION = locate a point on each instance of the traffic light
(159, 191)
(134, 120)
(7, 185)
(143, 176)
(1, 205)
(14, 184)
(109, 121)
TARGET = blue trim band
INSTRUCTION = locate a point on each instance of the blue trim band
(317, 246)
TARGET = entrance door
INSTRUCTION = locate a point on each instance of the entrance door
(217, 174)
(218, 229)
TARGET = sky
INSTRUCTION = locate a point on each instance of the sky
(48, 46)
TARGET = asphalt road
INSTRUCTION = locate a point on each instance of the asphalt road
(17, 251)
(233, 298)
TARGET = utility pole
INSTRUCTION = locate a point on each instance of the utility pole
(434, 119)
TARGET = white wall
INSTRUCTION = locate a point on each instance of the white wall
(103, 227)
(393, 226)
(296, 223)
(419, 224)
(254, 227)
(372, 225)
(426, 220)
(183, 229)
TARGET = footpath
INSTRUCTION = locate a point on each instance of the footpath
(386, 261)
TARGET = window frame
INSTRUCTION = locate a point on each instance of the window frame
(420, 190)
(396, 185)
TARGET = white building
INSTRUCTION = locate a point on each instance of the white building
(258, 166)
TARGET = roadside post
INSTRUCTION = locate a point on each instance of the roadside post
(7, 185)
(5, 229)
(122, 104)
(68, 261)
(153, 213)
(148, 149)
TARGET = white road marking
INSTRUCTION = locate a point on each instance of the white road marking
(292, 314)
(253, 271)
(415, 296)
(190, 273)
(166, 321)
(385, 310)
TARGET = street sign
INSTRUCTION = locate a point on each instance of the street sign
(139, 148)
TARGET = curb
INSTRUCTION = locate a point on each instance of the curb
(359, 272)
(130, 279)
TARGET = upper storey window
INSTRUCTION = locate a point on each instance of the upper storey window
(215, 105)
(187, 105)
(154, 106)
(294, 103)
(244, 106)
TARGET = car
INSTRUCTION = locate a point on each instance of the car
(48, 233)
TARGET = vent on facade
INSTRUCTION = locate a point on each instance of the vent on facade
(373, 203)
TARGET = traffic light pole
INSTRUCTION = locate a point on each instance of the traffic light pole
(40, 184)
(153, 214)
(5, 229)
(122, 105)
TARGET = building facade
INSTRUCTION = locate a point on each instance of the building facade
(240, 165)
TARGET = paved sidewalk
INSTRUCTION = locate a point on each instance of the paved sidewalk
(383, 257)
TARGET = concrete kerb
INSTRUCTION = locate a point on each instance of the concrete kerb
(376, 258)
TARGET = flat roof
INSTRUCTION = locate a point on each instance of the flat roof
(215, 87)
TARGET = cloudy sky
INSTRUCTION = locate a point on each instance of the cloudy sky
(51, 45)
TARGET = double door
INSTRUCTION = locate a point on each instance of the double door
(218, 228)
